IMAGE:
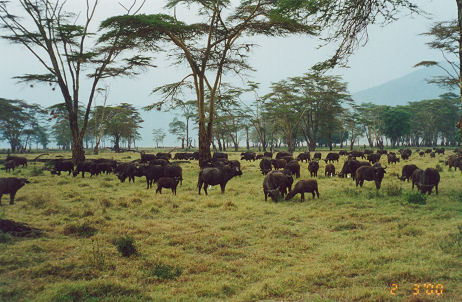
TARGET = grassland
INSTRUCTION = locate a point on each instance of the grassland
(352, 244)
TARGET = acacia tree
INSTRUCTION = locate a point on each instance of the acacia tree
(178, 128)
(67, 51)
(210, 48)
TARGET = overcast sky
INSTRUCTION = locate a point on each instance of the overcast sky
(390, 53)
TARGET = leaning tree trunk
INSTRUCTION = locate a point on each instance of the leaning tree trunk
(459, 23)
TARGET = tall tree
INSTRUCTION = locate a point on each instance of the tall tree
(178, 128)
(159, 136)
(210, 47)
(122, 122)
(67, 51)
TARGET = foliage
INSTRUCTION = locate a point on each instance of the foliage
(416, 198)
(166, 272)
(159, 136)
(125, 245)
(80, 229)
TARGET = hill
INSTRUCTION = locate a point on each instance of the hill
(400, 91)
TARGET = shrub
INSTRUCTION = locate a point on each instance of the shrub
(439, 168)
(416, 198)
(80, 230)
(393, 189)
(166, 272)
(4, 237)
(125, 245)
(96, 257)
(36, 171)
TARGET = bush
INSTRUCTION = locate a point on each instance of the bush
(80, 230)
(439, 168)
(36, 171)
(4, 237)
(416, 198)
(125, 245)
(96, 257)
(166, 272)
(393, 189)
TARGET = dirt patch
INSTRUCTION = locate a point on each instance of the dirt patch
(18, 229)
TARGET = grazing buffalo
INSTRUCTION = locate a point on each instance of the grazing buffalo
(63, 165)
(216, 176)
(11, 185)
(350, 166)
(429, 179)
(331, 157)
(287, 158)
(454, 161)
(162, 155)
(305, 156)
(248, 156)
(82, 167)
(405, 153)
(265, 166)
(343, 152)
(151, 172)
(317, 156)
(422, 153)
(18, 160)
(439, 150)
(217, 155)
(128, 170)
(278, 163)
(416, 176)
(373, 158)
(428, 151)
(175, 171)
(370, 174)
(367, 151)
(294, 167)
(382, 152)
(392, 158)
(356, 153)
(276, 184)
(268, 154)
(304, 186)
(147, 157)
(407, 171)
(167, 182)
(432, 154)
(313, 167)
(280, 155)
(259, 156)
(329, 170)
(10, 165)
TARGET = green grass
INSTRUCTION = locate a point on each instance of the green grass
(352, 244)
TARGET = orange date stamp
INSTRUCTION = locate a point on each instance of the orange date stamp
(427, 289)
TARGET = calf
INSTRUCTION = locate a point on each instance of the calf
(304, 186)
(9, 165)
(167, 182)
(329, 170)
(276, 184)
(375, 174)
(313, 167)
(10, 185)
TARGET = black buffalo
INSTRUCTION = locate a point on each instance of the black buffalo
(294, 167)
(167, 182)
(10, 185)
(375, 174)
(249, 156)
(429, 179)
(265, 166)
(331, 157)
(350, 166)
(407, 171)
(276, 184)
(313, 167)
(329, 170)
(304, 186)
(305, 156)
(18, 160)
(66, 165)
(216, 176)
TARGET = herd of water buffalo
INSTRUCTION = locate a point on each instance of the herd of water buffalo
(279, 171)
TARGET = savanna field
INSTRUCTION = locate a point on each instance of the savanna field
(351, 244)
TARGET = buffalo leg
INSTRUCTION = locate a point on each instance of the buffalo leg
(357, 182)
(313, 194)
(12, 197)
(266, 196)
(436, 189)
(1, 199)
(205, 188)
(222, 188)
(302, 198)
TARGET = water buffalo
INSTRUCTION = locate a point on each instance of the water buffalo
(268, 154)
(350, 166)
(313, 167)
(407, 171)
(216, 176)
(151, 172)
(329, 170)
(276, 184)
(370, 174)
(330, 157)
(280, 155)
(294, 167)
(317, 155)
(10, 185)
(10, 165)
(373, 158)
(278, 163)
(167, 182)
(249, 156)
(392, 158)
(302, 187)
(18, 160)
(265, 166)
(220, 155)
(416, 176)
(305, 156)
(147, 157)
(63, 165)
(429, 179)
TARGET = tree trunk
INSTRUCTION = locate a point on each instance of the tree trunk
(204, 146)
(247, 138)
(459, 23)
(182, 143)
